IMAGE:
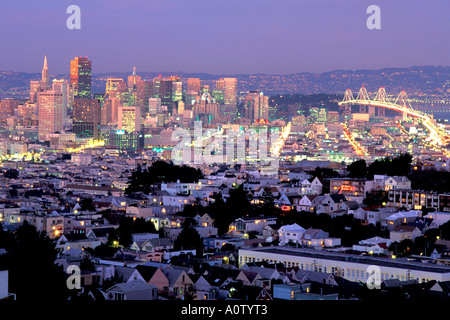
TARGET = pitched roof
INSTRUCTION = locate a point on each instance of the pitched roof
(146, 272)
(403, 228)
(123, 273)
(131, 286)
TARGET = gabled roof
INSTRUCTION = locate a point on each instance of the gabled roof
(123, 273)
(404, 228)
(131, 286)
(146, 272)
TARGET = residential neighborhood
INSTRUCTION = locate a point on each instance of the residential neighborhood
(217, 238)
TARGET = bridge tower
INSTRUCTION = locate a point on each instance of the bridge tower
(348, 97)
(363, 95)
(381, 97)
(403, 101)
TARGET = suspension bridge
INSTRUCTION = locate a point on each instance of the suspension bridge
(401, 104)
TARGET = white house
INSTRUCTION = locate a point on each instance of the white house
(330, 203)
(397, 182)
(316, 186)
(375, 245)
(290, 234)
(306, 203)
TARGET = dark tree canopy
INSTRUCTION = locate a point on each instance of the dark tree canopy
(357, 169)
(30, 261)
(161, 171)
(391, 166)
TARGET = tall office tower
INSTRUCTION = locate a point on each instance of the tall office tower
(333, 117)
(230, 91)
(86, 118)
(133, 79)
(129, 118)
(45, 77)
(40, 85)
(110, 110)
(62, 86)
(180, 109)
(322, 116)
(256, 106)
(206, 109)
(261, 107)
(154, 106)
(139, 90)
(193, 84)
(50, 112)
(220, 85)
(156, 87)
(165, 89)
(80, 77)
(249, 105)
(230, 98)
(177, 92)
(7, 107)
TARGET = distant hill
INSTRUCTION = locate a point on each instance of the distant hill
(414, 80)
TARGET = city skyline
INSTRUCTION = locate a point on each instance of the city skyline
(271, 38)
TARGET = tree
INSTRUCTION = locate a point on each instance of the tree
(30, 260)
(357, 169)
(189, 239)
(13, 193)
(160, 171)
(11, 174)
(397, 166)
(86, 204)
(267, 202)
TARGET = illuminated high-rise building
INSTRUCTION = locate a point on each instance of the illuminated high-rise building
(230, 91)
(7, 107)
(80, 77)
(256, 106)
(177, 91)
(154, 106)
(229, 98)
(110, 110)
(40, 85)
(193, 84)
(169, 90)
(86, 118)
(129, 118)
(50, 112)
(62, 86)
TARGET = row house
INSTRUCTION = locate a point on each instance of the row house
(416, 199)
(330, 203)
(352, 188)
(248, 224)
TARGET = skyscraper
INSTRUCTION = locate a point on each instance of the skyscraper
(129, 118)
(80, 77)
(45, 77)
(154, 106)
(256, 106)
(62, 87)
(193, 84)
(229, 98)
(50, 112)
(86, 118)
(40, 85)
(230, 91)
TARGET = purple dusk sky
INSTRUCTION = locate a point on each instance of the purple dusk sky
(224, 36)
